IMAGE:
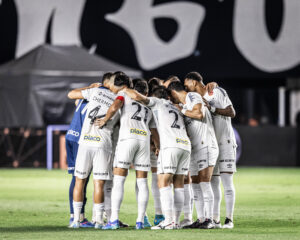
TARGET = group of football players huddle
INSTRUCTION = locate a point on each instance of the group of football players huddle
(181, 131)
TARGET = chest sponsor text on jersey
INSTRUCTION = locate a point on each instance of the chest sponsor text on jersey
(138, 131)
(182, 141)
(92, 138)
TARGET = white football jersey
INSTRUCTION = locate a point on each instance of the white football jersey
(170, 124)
(201, 132)
(222, 124)
(135, 119)
(100, 99)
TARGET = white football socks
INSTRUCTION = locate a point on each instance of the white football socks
(156, 194)
(187, 207)
(216, 187)
(178, 203)
(107, 198)
(77, 206)
(117, 196)
(99, 208)
(208, 199)
(229, 192)
(143, 197)
(167, 201)
(198, 200)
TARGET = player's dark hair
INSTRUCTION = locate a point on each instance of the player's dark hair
(121, 79)
(141, 86)
(194, 76)
(176, 86)
(106, 76)
(152, 83)
(161, 92)
(136, 80)
(172, 78)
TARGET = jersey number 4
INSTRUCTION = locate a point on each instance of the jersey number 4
(136, 116)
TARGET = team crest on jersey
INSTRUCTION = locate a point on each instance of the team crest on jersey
(182, 141)
(92, 138)
(138, 132)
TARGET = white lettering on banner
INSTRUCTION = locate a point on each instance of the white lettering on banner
(251, 37)
(136, 17)
(33, 18)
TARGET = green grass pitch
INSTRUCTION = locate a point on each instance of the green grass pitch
(34, 205)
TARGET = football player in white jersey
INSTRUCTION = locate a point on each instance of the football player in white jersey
(95, 149)
(174, 155)
(133, 148)
(204, 150)
(222, 111)
(188, 192)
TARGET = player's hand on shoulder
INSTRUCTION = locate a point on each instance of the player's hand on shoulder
(99, 122)
(95, 85)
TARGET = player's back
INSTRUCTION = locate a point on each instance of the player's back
(201, 132)
(170, 124)
(134, 120)
(100, 99)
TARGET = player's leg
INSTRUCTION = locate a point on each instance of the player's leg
(229, 195)
(71, 166)
(178, 181)
(156, 197)
(124, 153)
(142, 165)
(99, 202)
(211, 155)
(71, 189)
(227, 169)
(208, 196)
(107, 198)
(102, 162)
(188, 202)
(195, 163)
(78, 201)
(142, 197)
(82, 169)
(216, 187)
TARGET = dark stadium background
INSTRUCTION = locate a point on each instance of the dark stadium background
(268, 130)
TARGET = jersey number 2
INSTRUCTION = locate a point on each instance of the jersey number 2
(136, 116)
(174, 124)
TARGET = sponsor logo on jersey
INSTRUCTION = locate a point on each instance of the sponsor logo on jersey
(72, 132)
(92, 138)
(182, 141)
(138, 132)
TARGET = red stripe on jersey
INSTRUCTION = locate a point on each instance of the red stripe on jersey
(120, 98)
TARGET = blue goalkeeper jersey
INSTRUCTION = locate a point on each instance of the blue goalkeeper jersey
(74, 131)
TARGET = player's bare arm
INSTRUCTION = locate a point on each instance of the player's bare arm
(76, 93)
(227, 112)
(117, 104)
(133, 94)
(195, 113)
(155, 137)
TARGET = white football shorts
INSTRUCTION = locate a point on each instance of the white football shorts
(173, 160)
(203, 158)
(95, 158)
(226, 160)
(135, 152)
